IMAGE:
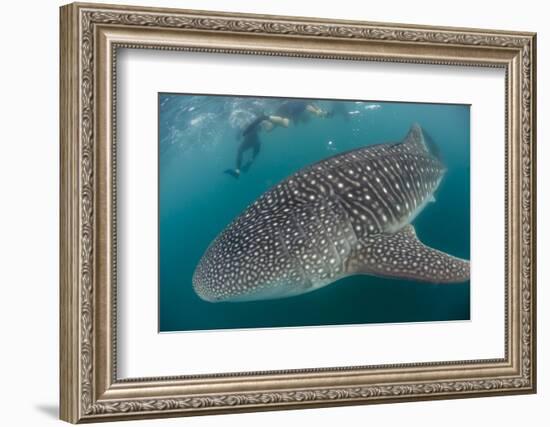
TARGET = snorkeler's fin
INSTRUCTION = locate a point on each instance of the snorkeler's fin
(235, 173)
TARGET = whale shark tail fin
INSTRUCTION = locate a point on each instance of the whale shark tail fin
(233, 172)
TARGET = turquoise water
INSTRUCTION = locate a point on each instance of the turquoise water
(198, 140)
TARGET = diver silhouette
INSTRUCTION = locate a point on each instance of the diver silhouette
(289, 111)
(338, 109)
(251, 141)
(298, 110)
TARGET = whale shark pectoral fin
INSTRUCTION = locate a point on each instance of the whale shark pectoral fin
(402, 255)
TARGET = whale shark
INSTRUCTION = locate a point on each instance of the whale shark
(346, 215)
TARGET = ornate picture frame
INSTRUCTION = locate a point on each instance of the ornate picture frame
(91, 34)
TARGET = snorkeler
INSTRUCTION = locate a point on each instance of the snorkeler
(338, 109)
(289, 111)
(251, 141)
(297, 110)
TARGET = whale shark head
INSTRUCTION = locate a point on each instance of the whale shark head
(348, 214)
(248, 261)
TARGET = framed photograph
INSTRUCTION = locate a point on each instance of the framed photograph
(267, 212)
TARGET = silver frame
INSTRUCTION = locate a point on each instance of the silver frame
(90, 37)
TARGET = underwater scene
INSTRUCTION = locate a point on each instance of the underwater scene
(287, 212)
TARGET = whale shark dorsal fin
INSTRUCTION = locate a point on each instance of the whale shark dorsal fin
(415, 139)
(402, 255)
